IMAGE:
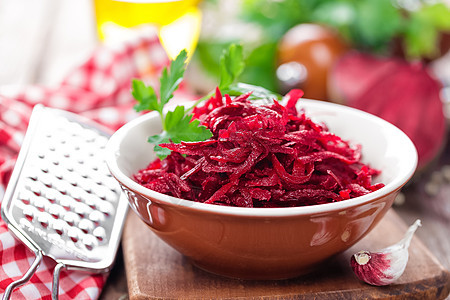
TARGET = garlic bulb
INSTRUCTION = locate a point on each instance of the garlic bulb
(385, 266)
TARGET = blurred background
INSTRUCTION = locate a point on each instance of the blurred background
(387, 57)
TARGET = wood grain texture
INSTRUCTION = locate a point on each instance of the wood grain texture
(156, 271)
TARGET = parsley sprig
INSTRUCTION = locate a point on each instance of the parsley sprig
(232, 64)
(231, 67)
(178, 124)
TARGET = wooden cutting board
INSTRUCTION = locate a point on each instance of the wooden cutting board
(156, 271)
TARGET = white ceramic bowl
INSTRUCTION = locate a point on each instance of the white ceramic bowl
(267, 243)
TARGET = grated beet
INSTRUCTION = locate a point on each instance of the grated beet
(260, 156)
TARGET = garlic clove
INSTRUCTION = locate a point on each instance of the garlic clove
(385, 266)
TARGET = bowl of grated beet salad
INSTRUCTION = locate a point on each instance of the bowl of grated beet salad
(279, 187)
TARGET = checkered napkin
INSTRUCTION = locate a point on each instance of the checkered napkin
(100, 90)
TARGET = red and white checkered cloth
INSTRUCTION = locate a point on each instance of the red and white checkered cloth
(98, 89)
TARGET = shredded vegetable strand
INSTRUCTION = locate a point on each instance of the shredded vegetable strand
(260, 156)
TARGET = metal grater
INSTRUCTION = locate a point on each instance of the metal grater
(61, 200)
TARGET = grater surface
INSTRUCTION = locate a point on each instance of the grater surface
(61, 199)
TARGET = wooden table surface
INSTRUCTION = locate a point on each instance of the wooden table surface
(41, 41)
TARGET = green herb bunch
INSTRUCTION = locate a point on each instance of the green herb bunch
(178, 124)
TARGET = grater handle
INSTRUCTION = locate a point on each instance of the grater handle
(55, 284)
(25, 277)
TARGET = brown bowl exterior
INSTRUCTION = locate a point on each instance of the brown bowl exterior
(257, 247)
(258, 243)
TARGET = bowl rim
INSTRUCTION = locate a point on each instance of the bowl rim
(398, 182)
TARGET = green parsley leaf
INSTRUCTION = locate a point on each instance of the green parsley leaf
(145, 95)
(177, 124)
(257, 91)
(170, 80)
(157, 139)
(231, 65)
(190, 131)
(161, 152)
(163, 137)
(173, 117)
(181, 127)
